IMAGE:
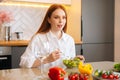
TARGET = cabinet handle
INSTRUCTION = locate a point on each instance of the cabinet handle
(81, 28)
(3, 58)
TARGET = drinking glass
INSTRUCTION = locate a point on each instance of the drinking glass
(42, 65)
(42, 72)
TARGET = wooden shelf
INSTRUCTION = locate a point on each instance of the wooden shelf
(20, 43)
(14, 43)
(78, 43)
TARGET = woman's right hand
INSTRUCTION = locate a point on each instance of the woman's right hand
(53, 56)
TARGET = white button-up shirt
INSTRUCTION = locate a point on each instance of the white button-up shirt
(44, 44)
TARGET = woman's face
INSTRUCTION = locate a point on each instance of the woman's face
(57, 20)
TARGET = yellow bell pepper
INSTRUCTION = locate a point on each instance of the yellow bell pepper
(85, 68)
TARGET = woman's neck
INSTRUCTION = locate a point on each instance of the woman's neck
(58, 34)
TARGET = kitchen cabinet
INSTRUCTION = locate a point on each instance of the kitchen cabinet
(98, 52)
(17, 51)
(10, 52)
(98, 30)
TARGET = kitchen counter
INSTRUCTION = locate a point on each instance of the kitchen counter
(14, 43)
(103, 65)
(33, 73)
(18, 43)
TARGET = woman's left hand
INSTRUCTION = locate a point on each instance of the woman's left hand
(81, 57)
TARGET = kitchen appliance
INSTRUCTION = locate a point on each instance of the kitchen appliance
(5, 61)
(5, 58)
(97, 30)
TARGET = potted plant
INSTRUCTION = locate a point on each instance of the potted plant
(5, 18)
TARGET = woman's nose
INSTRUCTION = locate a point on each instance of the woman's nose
(60, 20)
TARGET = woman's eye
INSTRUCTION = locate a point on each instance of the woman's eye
(64, 17)
(56, 17)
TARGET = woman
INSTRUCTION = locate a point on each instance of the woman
(50, 41)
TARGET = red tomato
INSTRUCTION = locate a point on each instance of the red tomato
(73, 76)
(111, 76)
(104, 76)
(116, 77)
(81, 77)
(76, 76)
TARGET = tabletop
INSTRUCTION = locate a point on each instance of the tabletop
(33, 73)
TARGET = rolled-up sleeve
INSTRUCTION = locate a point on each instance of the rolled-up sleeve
(29, 56)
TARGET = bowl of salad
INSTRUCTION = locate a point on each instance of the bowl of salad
(72, 62)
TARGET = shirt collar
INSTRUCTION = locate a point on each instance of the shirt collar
(50, 36)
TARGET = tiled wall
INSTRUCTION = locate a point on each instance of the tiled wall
(26, 19)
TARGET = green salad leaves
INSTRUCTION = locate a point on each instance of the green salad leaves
(117, 67)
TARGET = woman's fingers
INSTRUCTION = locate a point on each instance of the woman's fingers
(55, 55)
(81, 57)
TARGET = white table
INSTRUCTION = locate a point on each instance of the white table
(103, 65)
(31, 74)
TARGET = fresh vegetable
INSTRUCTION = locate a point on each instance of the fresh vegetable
(56, 73)
(116, 76)
(111, 76)
(98, 73)
(83, 77)
(106, 74)
(70, 63)
(117, 66)
(85, 68)
(73, 76)
(78, 76)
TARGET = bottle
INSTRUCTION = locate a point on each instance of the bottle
(7, 33)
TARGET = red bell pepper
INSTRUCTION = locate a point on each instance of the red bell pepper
(56, 73)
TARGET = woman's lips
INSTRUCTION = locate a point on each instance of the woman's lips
(59, 26)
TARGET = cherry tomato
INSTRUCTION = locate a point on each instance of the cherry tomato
(73, 76)
(116, 76)
(83, 77)
(76, 76)
(104, 76)
(80, 77)
(111, 76)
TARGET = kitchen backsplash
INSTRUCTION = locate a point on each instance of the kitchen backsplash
(27, 19)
